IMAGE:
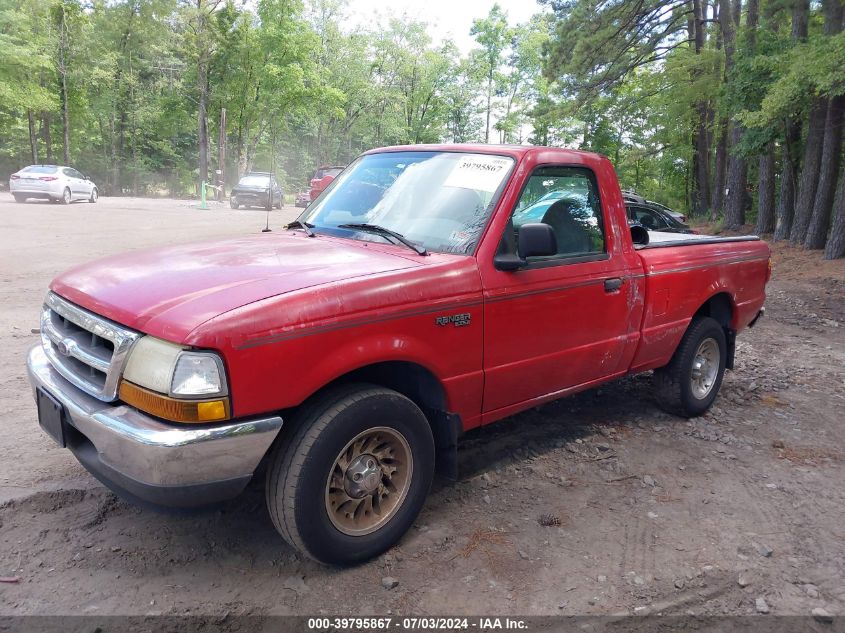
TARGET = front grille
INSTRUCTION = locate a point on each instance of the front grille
(88, 350)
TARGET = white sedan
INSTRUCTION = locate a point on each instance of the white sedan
(52, 182)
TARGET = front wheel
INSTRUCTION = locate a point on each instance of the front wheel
(353, 475)
(688, 385)
(94, 195)
(19, 198)
(233, 202)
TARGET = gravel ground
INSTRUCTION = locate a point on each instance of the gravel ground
(598, 504)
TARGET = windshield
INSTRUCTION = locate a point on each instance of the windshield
(439, 200)
(255, 181)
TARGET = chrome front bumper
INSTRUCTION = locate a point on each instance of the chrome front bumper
(151, 461)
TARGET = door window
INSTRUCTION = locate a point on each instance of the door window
(566, 199)
(650, 218)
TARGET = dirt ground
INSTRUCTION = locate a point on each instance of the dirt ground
(598, 504)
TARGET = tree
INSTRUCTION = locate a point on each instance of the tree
(835, 247)
(815, 141)
(493, 35)
(829, 172)
(23, 49)
(792, 137)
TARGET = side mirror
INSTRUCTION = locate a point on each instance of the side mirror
(537, 240)
(508, 262)
(639, 234)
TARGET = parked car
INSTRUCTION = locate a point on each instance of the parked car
(654, 218)
(345, 356)
(257, 189)
(631, 197)
(303, 199)
(323, 178)
(680, 217)
(56, 183)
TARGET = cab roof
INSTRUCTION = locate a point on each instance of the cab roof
(516, 151)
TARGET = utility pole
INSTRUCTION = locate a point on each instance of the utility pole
(221, 157)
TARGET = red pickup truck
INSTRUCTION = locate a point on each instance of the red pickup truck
(421, 297)
(322, 179)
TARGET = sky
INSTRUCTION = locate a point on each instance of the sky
(448, 19)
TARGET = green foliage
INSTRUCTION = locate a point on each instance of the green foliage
(298, 88)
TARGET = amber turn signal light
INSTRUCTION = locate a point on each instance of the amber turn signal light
(195, 411)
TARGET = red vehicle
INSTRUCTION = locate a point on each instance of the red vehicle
(349, 353)
(323, 178)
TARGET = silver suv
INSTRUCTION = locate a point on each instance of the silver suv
(52, 182)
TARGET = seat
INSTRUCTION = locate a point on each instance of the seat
(648, 222)
(572, 236)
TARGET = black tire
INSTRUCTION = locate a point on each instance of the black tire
(66, 196)
(19, 198)
(233, 202)
(302, 461)
(673, 383)
(95, 195)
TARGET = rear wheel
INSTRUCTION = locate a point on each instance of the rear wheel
(688, 385)
(19, 197)
(94, 195)
(66, 197)
(351, 478)
(233, 202)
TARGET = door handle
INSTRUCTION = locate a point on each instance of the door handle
(612, 285)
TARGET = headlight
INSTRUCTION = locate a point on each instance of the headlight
(175, 383)
(198, 374)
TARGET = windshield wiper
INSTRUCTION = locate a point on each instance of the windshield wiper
(380, 230)
(303, 225)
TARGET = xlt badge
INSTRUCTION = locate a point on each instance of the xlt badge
(459, 320)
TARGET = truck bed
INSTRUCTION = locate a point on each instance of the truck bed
(678, 277)
(662, 240)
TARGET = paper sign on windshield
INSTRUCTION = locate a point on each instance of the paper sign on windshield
(482, 173)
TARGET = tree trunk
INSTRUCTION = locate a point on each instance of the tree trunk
(737, 176)
(792, 139)
(815, 140)
(33, 137)
(737, 182)
(221, 156)
(701, 135)
(800, 19)
(48, 137)
(788, 181)
(489, 96)
(766, 192)
(63, 46)
(202, 90)
(202, 121)
(835, 247)
(831, 152)
(718, 193)
(809, 171)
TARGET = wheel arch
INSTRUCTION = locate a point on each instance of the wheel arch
(420, 385)
(721, 308)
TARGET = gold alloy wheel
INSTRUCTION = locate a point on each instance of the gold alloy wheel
(369, 481)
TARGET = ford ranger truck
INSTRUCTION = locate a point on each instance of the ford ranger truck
(342, 358)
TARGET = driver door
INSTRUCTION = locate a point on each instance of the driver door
(560, 321)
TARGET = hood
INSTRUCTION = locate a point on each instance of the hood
(168, 292)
